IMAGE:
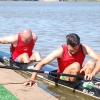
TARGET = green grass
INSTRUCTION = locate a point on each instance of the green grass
(6, 95)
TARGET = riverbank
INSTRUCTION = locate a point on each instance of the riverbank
(13, 82)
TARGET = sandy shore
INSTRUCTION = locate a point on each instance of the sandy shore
(14, 83)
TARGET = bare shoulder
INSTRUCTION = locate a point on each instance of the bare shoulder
(14, 36)
(88, 50)
(34, 36)
(60, 49)
(59, 52)
(85, 46)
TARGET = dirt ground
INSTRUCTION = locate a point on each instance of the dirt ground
(14, 83)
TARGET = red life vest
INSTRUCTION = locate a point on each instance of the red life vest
(66, 59)
(22, 48)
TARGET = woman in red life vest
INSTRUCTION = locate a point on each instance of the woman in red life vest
(70, 58)
(22, 45)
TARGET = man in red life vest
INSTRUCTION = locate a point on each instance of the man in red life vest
(22, 45)
(70, 57)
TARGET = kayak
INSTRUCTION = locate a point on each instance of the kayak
(5, 58)
(86, 89)
(89, 89)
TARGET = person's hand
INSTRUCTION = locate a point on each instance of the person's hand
(82, 70)
(30, 82)
(88, 77)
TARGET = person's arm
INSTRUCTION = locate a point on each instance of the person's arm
(89, 51)
(55, 54)
(8, 39)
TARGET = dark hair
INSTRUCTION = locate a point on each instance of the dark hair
(72, 39)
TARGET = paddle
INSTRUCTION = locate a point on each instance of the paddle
(41, 71)
(48, 72)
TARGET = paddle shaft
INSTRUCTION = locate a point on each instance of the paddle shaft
(41, 71)
(23, 69)
(70, 75)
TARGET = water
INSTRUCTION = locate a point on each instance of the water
(51, 21)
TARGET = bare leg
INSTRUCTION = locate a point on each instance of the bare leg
(72, 69)
(89, 66)
(35, 57)
(24, 58)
